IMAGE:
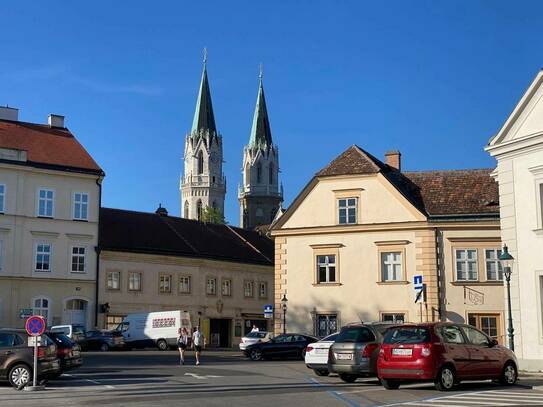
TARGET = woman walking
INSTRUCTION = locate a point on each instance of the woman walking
(182, 343)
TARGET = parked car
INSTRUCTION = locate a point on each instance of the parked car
(316, 355)
(445, 353)
(254, 337)
(16, 358)
(75, 332)
(281, 347)
(356, 349)
(103, 340)
(68, 352)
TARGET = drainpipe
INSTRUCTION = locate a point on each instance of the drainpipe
(98, 249)
(438, 271)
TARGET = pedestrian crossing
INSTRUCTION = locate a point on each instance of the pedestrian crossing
(514, 397)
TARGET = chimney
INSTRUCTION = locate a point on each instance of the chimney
(161, 211)
(393, 159)
(9, 113)
(56, 120)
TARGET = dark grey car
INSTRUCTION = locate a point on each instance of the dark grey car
(355, 351)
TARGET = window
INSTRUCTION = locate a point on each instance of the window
(43, 257)
(466, 265)
(81, 206)
(226, 287)
(165, 284)
(398, 318)
(248, 288)
(355, 334)
(263, 289)
(184, 285)
(407, 335)
(488, 323)
(258, 173)
(76, 305)
(326, 269)
(186, 211)
(211, 286)
(199, 210)
(7, 340)
(451, 334)
(113, 280)
(78, 259)
(2, 198)
(41, 306)
(493, 266)
(475, 337)
(134, 281)
(347, 210)
(326, 324)
(113, 321)
(391, 266)
(45, 203)
(200, 163)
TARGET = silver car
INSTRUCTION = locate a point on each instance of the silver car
(254, 337)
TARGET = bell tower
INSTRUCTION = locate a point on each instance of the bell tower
(203, 183)
(260, 194)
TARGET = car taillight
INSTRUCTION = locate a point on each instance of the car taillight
(41, 352)
(368, 350)
(426, 351)
(64, 352)
(309, 348)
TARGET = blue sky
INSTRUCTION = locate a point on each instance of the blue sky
(433, 79)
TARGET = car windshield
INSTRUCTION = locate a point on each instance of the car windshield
(259, 335)
(409, 335)
(355, 334)
(61, 339)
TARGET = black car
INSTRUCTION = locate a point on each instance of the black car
(103, 340)
(68, 352)
(16, 358)
(284, 346)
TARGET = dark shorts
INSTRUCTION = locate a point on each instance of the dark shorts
(182, 346)
(197, 348)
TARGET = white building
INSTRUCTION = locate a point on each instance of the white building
(49, 205)
(518, 149)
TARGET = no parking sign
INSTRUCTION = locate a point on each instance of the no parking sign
(35, 325)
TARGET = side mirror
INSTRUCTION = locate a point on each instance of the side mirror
(492, 343)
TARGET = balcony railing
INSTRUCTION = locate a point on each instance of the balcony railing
(260, 190)
(203, 181)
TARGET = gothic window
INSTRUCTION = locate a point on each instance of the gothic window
(270, 174)
(186, 210)
(200, 163)
(259, 173)
(247, 174)
(199, 210)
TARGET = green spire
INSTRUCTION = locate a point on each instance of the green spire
(203, 116)
(260, 132)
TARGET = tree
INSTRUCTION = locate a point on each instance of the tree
(213, 215)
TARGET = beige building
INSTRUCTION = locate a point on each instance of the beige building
(518, 149)
(350, 245)
(150, 262)
(49, 205)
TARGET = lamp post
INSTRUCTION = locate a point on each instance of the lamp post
(284, 307)
(506, 261)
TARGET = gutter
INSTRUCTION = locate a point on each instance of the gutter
(98, 250)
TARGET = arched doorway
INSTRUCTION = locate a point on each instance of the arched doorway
(75, 311)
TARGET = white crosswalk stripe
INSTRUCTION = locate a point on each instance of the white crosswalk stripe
(483, 398)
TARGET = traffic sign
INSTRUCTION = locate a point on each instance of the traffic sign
(24, 313)
(419, 288)
(268, 311)
(35, 325)
(35, 341)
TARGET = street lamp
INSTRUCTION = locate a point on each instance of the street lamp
(506, 261)
(284, 306)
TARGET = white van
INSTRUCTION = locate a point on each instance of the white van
(159, 329)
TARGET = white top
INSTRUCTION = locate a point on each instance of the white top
(198, 338)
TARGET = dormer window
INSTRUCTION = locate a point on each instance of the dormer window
(347, 209)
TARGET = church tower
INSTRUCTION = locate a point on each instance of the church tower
(203, 183)
(260, 194)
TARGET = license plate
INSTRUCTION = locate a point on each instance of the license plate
(321, 350)
(344, 356)
(402, 352)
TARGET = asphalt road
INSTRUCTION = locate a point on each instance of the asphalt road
(154, 378)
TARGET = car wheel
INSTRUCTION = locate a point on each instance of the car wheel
(390, 384)
(348, 378)
(509, 374)
(321, 372)
(256, 354)
(446, 379)
(104, 347)
(162, 344)
(19, 375)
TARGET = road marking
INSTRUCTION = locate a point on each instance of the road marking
(197, 376)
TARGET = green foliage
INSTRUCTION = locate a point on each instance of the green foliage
(213, 215)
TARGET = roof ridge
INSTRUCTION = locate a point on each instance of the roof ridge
(447, 170)
(368, 156)
(248, 243)
(163, 219)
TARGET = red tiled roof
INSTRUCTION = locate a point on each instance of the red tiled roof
(354, 160)
(47, 146)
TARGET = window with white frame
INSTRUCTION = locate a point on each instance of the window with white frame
(347, 210)
(41, 306)
(2, 198)
(114, 280)
(165, 284)
(134, 281)
(326, 269)
(248, 288)
(211, 286)
(43, 257)
(396, 317)
(81, 206)
(263, 289)
(46, 199)
(226, 287)
(78, 259)
(391, 266)
(493, 266)
(184, 284)
(467, 268)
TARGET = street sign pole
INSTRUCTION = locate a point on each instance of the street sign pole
(35, 374)
(35, 327)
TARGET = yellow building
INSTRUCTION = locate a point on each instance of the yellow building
(350, 245)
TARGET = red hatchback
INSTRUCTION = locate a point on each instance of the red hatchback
(444, 353)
